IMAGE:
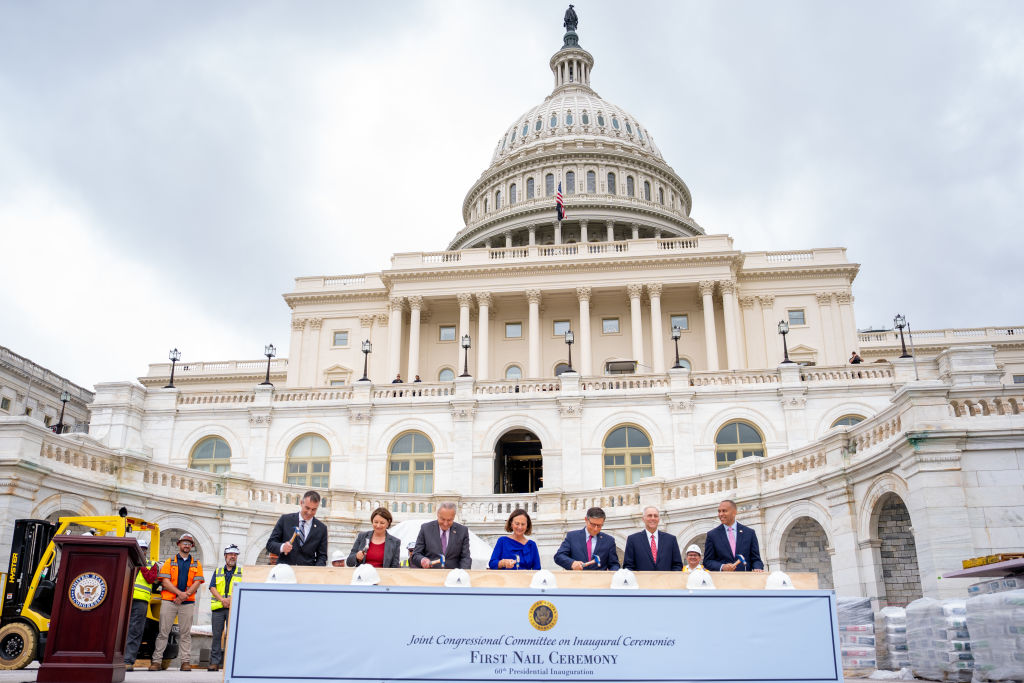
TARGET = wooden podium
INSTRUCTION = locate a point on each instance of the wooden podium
(91, 604)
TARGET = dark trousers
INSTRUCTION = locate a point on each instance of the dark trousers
(219, 619)
(136, 626)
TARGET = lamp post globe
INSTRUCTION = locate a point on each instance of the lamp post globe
(569, 339)
(367, 348)
(676, 332)
(465, 345)
(784, 330)
(900, 322)
(174, 355)
(269, 351)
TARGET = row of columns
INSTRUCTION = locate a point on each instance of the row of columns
(584, 233)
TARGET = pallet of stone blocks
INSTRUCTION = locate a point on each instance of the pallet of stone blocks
(856, 634)
(891, 638)
(996, 624)
(938, 640)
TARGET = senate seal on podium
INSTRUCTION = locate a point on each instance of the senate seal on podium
(543, 615)
(87, 591)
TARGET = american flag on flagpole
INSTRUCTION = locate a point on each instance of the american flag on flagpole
(559, 206)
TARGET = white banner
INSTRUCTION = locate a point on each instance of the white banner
(388, 633)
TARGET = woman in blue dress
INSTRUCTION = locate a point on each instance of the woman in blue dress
(516, 551)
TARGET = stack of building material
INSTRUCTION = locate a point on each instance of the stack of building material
(938, 640)
(891, 637)
(856, 634)
(996, 624)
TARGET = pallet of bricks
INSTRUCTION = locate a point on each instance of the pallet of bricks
(891, 638)
(938, 640)
(856, 636)
(995, 620)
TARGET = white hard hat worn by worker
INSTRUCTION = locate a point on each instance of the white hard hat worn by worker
(231, 550)
(694, 548)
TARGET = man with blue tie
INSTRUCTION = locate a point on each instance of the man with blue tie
(731, 547)
(651, 550)
(588, 548)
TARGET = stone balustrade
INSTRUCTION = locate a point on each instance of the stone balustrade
(222, 367)
(886, 338)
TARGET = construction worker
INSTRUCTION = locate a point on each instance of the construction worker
(140, 608)
(182, 575)
(220, 602)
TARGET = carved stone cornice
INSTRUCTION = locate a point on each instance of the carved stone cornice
(570, 407)
(844, 298)
(484, 299)
(299, 324)
(767, 300)
(654, 290)
(259, 420)
(706, 287)
(747, 302)
(634, 291)
(382, 320)
(463, 411)
(583, 293)
(366, 320)
(533, 296)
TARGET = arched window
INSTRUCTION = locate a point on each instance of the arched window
(611, 183)
(549, 184)
(553, 123)
(685, 363)
(446, 375)
(661, 195)
(309, 462)
(591, 182)
(585, 118)
(537, 126)
(568, 119)
(560, 368)
(570, 182)
(497, 200)
(411, 464)
(847, 421)
(513, 193)
(526, 129)
(211, 454)
(615, 123)
(629, 128)
(630, 186)
(735, 441)
(485, 205)
(647, 192)
(529, 188)
(513, 372)
(627, 456)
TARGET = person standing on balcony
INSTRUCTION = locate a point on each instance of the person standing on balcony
(854, 358)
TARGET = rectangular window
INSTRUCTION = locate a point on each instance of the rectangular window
(337, 382)
(341, 338)
(47, 420)
(446, 333)
(796, 317)
(610, 325)
(513, 330)
(1018, 379)
(681, 321)
(5, 404)
(561, 327)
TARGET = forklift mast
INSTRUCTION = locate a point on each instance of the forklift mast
(28, 544)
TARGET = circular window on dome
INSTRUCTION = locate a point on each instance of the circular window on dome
(553, 123)
(600, 119)
(629, 129)
(568, 119)
(585, 118)
(538, 125)
(526, 129)
(615, 123)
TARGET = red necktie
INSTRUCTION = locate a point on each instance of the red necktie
(590, 548)
(654, 550)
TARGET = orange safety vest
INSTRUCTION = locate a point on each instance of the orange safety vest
(170, 571)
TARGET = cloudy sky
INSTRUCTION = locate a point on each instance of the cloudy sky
(167, 169)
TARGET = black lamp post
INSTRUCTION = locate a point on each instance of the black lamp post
(465, 345)
(174, 356)
(367, 348)
(675, 337)
(900, 321)
(569, 339)
(64, 398)
(269, 351)
(784, 330)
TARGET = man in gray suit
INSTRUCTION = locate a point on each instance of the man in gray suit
(442, 544)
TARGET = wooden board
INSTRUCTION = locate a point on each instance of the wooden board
(521, 579)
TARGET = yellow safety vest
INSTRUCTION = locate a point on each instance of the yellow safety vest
(219, 579)
(142, 588)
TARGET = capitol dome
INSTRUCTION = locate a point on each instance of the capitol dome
(615, 183)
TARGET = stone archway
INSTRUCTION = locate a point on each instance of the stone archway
(805, 548)
(73, 529)
(901, 577)
(518, 463)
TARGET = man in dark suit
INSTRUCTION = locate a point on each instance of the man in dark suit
(442, 539)
(588, 548)
(731, 547)
(651, 550)
(309, 548)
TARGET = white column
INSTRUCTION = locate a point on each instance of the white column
(465, 301)
(636, 231)
(395, 337)
(707, 288)
(748, 322)
(757, 350)
(583, 232)
(728, 289)
(483, 302)
(845, 299)
(636, 323)
(415, 305)
(828, 352)
(842, 352)
(558, 232)
(508, 239)
(772, 347)
(583, 294)
(611, 230)
(533, 235)
(533, 296)
(657, 342)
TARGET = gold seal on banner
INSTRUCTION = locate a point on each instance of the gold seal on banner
(543, 615)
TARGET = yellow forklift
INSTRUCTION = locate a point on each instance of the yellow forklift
(28, 586)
